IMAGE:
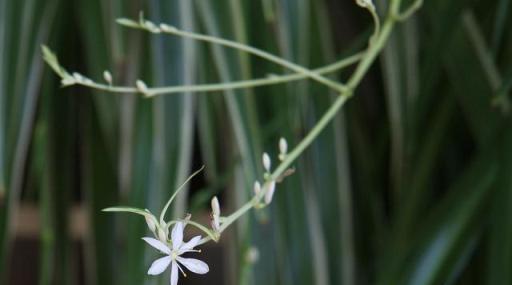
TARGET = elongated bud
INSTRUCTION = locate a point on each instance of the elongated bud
(257, 188)
(270, 189)
(215, 206)
(215, 223)
(107, 76)
(215, 214)
(151, 223)
(162, 236)
(266, 162)
(365, 3)
(283, 146)
(141, 86)
(283, 149)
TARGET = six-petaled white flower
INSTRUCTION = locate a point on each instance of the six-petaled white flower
(173, 255)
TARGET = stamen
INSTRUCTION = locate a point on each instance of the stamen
(179, 267)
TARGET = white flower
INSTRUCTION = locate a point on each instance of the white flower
(173, 255)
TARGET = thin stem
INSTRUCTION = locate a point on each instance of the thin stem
(271, 80)
(166, 29)
(376, 21)
(410, 10)
(355, 79)
(320, 125)
(208, 232)
(371, 54)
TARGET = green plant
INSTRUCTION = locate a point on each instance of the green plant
(160, 228)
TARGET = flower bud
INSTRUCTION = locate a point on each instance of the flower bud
(269, 194)
(167, 28)
(215, 223)
(253, 255)
(162, 236)
(107, 76)
(215, 206)
(257, 188)
(141, 86)
(283, 146)
(78, 77)
(266, 162)
(151, 223)
(151, 27)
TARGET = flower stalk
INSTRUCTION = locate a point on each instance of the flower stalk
(174, 247)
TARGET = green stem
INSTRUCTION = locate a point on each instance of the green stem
(276, 79)
(410, 10)
(374, 49)
(227, 221)
(241, 47)
(320, 125)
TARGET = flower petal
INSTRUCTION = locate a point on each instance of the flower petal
(194, 265)
(177, 235)
(174, 273)
(159, 265)
(158, 245)
(190, 244)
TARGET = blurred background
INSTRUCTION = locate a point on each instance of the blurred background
(410, 184)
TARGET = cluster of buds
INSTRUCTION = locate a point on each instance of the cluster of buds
(77, 78)
(269, 187)
(268, 190)
(159, 230)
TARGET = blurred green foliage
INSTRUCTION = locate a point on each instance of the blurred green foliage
(411, 184)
